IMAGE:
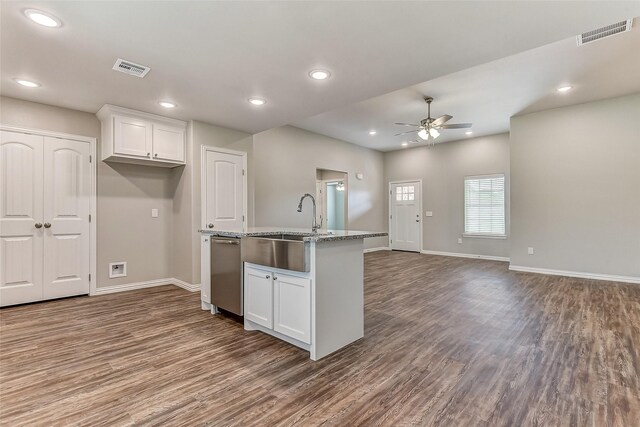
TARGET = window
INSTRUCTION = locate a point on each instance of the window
(406, 192)
(484, 208)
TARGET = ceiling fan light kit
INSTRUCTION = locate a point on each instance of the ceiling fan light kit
(429, 128)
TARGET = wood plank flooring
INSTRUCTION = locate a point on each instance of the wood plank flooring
(448, 342)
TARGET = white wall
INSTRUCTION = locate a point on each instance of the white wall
(286, 159)
(126, 195)
(442, 169)
(575, 188)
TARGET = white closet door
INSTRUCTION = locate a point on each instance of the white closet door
(21, 195)
(224, 191)
(66, 214)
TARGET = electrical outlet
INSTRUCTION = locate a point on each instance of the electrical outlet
(460, 240)
(154, 213)
(428, 213)
(530, 250)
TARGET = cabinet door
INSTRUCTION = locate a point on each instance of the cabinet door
(205, 269)
(258, 296)
(131, 137)
(168, 143)
(21, 229)
(292, 307)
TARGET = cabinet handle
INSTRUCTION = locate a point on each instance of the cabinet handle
(155, 155)
(275, 278)
(47, 225)
(148, 154)
(267, 277)
(210, 225)
(38, 225)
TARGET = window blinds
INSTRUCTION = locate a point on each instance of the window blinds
(484, 208)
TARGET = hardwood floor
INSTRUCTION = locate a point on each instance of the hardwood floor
(448, 342)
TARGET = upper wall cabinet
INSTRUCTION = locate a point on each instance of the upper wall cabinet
(130, 136)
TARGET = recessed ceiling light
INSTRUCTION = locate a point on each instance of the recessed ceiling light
(168, 104)
(257, 101)
(564, 88)
(404, 144)
(43, 18)
(468, 132)
(372, 132)
(320, 74)
(26, 83)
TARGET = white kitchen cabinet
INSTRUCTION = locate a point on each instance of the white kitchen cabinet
(278, 301)
(258, 296)
(292, 307)
(168, 143)
(130, 136)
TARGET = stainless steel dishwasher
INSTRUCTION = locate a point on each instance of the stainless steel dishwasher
(226, 274)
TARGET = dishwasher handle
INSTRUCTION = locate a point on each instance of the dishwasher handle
(225, 242)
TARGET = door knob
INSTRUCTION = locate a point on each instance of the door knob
(210, 225)
(38, 225)
(47, 225)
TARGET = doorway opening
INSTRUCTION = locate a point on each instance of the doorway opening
(332, 195)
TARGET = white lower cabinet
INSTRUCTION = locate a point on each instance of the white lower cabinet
(292, 307)
(258, 296)
(278, 301)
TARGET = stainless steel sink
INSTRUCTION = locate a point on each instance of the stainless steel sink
(286, 251)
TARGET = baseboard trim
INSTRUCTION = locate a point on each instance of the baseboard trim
(461, 255)
(381, 248)
(147, 284)
(578, 274)
(184, 285)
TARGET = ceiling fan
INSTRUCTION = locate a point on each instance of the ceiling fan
(429, 129)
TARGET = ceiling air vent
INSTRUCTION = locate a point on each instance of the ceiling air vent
(132, 68)
(600, 33)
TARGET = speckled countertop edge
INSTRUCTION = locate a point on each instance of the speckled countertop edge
(320, 237)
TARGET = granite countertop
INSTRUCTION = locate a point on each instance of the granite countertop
(320, 236)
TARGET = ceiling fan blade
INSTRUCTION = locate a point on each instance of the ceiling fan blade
(457, 126)
(406, 124)
(441, 120)
(402, 133)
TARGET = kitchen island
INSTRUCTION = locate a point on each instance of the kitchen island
(312, 298)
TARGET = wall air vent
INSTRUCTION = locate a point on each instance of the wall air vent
(131, 68)
(600, 33)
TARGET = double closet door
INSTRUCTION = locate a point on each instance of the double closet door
(45, 189)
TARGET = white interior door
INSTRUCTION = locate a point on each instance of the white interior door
(405, 218)
(223, 192)
(21, 229)
(67, 192)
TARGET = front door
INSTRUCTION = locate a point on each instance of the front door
(404, 217)
(223, 190)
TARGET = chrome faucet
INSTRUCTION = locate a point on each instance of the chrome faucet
(314, 225)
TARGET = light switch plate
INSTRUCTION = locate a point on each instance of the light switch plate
(428, 213)
(460, 240)
(154, 213)
(530, 250)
